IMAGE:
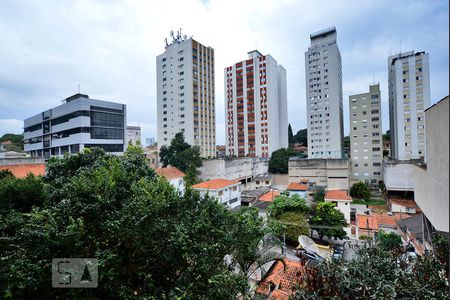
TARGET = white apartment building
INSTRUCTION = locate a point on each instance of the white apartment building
(366, 138)
(134, 135)
(323, 76)
(228, 192)
(80, 122)
(256, 106)
(185, 94)
(409, 97)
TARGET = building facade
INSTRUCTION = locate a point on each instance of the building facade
(134, 135)
(227, 192)
(323, 76)
(185, 94)
(79, 123)
(409, 96)
(366, 138)
(256, 106)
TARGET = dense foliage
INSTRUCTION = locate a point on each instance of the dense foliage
(183, 156)
(376, 274)
(284, 203)
(290, 135)
(319, 194)
(293, 224)
(389, 240)
(301, 137)
(360, 190)
(16, 139)
(150, 242)
(328, 221)
(278, 163)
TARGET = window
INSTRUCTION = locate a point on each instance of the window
(375, 149)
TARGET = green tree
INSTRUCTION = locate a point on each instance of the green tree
(290, 135)
(293, 224)
(389, 241)
(5, 174)
(440, 243)
(376, 274)
(301, 137)
(360, 190)
(387, 135)
(16, 139)
(181, 155)
(319, 194)
(283, 203)
(278, 163)
(328, 221)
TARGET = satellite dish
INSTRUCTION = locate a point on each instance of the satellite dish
(308, 244)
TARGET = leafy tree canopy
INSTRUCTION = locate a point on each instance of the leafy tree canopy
(293, 225)
(360, 190)
(290, 135)
(283, 203)
(278, 163)
(389, 240)
(328, 221)
(319, 195)
(301, 137)
(16, 139)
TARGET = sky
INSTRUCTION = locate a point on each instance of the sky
(109, 49)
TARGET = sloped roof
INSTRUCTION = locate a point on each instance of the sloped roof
(294, 186)
(387, 220)
(337, 195)
(215, 184)
(170, 173)
(404, 202)
(363, 220)
(284, 280)
(269, 196)
(22, 170)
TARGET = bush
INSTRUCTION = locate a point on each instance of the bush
(360, 190)
(294, 225)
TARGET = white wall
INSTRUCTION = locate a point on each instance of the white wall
(225, 195)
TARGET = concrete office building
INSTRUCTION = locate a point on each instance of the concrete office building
(323, 76)
(409, 96)
(185, 94)
(256, 106)
(134, 135)
(366, 136)
(79, 123)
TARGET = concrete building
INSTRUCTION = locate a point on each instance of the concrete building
(409, 96)
(150, 141)
(366, 137)
(81, 122)
(431, 187)
(398, 175)
(185, 94)
(134, 136)
(343, 202)
(174, 176)
(228, 192)
(330, 173)
(256, 106)
(323, 76)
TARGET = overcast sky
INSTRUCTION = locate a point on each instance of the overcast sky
(109, 48)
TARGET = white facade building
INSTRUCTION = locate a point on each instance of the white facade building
(174, 176)
(409, 97)
(323, 76)
(343, 203)
(228, 192)
(79, 123)
(366, 138)
(185, 94)
(134, 135)
(256, 107)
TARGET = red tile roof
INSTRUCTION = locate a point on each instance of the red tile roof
(215, 184)
(304, 180)
(294, 186)
(269, 196)
(404, 202)
(337, 195)
(170, 173)
(22, 170)
(363, 220)
(387, 220)
(283, 277)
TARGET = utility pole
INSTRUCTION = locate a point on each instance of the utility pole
(284, 244)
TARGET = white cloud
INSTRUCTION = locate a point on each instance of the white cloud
(11, 126)
(110, 47)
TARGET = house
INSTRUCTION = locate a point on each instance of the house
(263, 180)
(403, 206)
(416, 231)
(342, 201)
(281, 280)
(250, 197)
(367, 225)
(269, 196)
(228, 192)
(174, 176)
(301, 149)
(374, 223)
(298, 189)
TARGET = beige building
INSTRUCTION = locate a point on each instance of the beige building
(332, 173)
(409, 96)
(366, 136)
(431, 187)
(185, 94)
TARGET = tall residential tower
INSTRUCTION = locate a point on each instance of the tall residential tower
(256, 106)
(185, 93)
(323, 76)
(365, 136)
(409, 96)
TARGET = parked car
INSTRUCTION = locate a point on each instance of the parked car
(336, 256)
